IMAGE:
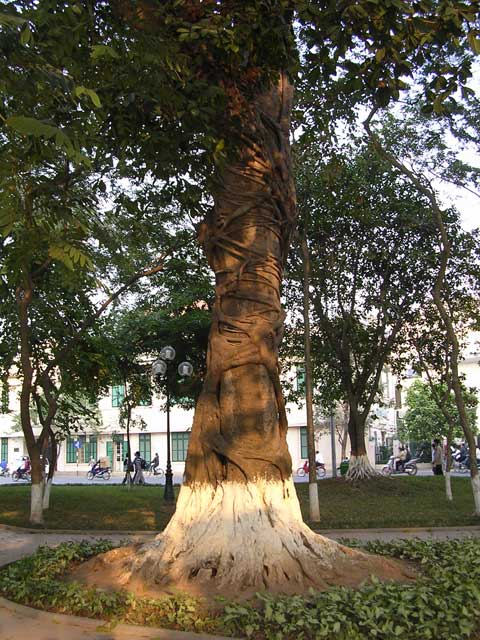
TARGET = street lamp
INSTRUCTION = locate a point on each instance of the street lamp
(160, 374)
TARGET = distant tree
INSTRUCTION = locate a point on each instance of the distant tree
(371, 256)
(424, 420)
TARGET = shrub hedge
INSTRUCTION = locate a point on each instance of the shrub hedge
(443, 604)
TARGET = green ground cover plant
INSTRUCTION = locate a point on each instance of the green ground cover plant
(442, 604)
(382, 502)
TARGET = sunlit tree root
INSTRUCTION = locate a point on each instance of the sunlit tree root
(242, 538)
(359, 468)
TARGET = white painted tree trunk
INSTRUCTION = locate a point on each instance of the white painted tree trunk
(314, 504)
(359, 468)
(36, 503)
(245, 537)
(476, 493)
(448, 485)
(46, 493)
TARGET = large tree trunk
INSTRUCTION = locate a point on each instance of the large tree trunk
(359, 467)
(238, 525)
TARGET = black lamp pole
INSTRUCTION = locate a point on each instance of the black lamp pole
(160, 373)
(168, 494)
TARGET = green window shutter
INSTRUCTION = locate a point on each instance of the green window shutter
(110, 452)
(93, 448)
(118, 394)
(180, 446)
(4, 451)
(145, 446)
(300, 379)
(71, 451)
(90, 448)
(303, 443)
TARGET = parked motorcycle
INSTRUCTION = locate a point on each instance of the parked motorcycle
(410, 467)
(321, 471)
(103, 472)
(21, 474)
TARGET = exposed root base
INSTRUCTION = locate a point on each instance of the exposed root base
(359, 468)
(234, 541)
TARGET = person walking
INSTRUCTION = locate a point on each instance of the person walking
(437, 458)
(139, 466)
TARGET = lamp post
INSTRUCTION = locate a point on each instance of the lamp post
(160, 373)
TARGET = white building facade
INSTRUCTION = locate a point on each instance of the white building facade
(110, 440)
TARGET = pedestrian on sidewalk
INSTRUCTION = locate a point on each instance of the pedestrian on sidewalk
(437, 458)
(139, 465)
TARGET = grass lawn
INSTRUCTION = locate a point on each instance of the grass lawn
(384, 502)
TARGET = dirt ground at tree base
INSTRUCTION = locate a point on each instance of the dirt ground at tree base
(111, 571)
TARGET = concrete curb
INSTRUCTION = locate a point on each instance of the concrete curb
(344, 533)
(96, 629)
(87, 532)
(352, 533)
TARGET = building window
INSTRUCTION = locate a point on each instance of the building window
(91, 449)
(145, 446)
(146, 401)
(118, 394)
(303, 443)
(300, 379)
(87, 449)
(4, 450)
(179, 446)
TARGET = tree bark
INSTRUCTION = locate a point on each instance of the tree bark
(51, 470)
(314, 505)
(448, 467)
(24, 297)
(238, 525)
(343, 438)
(359, 467)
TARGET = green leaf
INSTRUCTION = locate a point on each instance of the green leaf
(380, 54)
(80, 91)
(100, 51)
(26, 35)
(58, 253)
(11, 21)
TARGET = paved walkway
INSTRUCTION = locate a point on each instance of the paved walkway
(17, 621)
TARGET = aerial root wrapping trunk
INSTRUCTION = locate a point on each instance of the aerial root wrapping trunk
(237, 527)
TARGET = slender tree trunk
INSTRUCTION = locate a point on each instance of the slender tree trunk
(359, 467)
(314, 504)
(51, 470)
(343, 437)
(448, 467)
(34, 447)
